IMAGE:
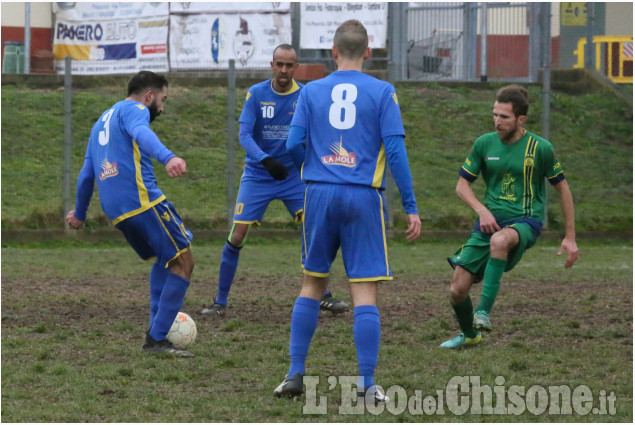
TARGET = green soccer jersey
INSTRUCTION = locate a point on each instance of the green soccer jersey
(514, 174)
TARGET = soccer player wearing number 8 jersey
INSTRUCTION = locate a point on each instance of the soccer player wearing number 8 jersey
(269, 173)
(347, 126)
(514, 164)
(119, 157)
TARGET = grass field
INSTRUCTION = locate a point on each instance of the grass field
(74, 315)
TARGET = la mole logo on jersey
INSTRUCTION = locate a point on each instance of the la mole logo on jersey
(109, 170)
(341, 157)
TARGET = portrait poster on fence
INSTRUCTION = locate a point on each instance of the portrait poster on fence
(210, 40)
(318, 22)
(111, 38)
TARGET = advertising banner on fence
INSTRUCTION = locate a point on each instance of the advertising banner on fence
(111, 38)
(318, 22)
(85, 11)
(209, 41)
(226, 7)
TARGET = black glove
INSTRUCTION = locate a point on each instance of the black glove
(273, 167)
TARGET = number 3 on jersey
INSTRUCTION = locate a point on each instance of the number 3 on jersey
(343, 112)
(104, 135)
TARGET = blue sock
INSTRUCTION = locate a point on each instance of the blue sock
(228, 265)
(169, 305)
(367, 334)
(158, 276)
(327, 293)
(303, 323)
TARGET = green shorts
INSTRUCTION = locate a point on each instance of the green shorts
(474, 255)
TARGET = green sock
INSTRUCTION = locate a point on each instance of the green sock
(491, 283)
(464, 314)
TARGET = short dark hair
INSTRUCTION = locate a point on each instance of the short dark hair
(351, 39)
(517, 96)
(144, 80)
(283, 47)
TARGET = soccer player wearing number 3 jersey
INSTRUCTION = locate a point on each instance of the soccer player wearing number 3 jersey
(347, 126)
(119, 157)
(514, 164)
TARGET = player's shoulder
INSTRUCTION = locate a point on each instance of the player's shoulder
(259, 88)
(542, 142)
(130, 107)
(486, 139)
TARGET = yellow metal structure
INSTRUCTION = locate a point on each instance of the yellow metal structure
(618, 56)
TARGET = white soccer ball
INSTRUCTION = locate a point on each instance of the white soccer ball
(183, 331)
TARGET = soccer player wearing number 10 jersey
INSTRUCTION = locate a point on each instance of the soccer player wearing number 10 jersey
(346, 127)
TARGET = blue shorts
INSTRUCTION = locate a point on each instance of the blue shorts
(254, 196)
(158, 232)
(349, 217)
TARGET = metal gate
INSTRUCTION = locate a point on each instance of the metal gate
(445, 43)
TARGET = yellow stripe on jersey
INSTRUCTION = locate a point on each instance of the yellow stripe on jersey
(144, 198)
(528, 174)
(294, 88)
(138, 210)
(380, 168)
(468, 171)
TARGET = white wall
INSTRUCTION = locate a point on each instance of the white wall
(13, 14)
(619, 18)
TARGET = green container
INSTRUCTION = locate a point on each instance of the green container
(13, 60)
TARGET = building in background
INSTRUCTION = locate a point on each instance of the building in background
(206, 35)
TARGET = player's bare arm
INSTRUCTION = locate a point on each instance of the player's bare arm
(486, 218)
(566, 204)
(175, 167)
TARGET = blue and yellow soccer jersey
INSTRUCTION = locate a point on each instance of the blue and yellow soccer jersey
(514, 174)
(361, 111)
(124, 174)
(269, 113)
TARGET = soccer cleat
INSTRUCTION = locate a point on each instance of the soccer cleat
(163, 347)
(372, 395)
(215, 309)
(332, 304)
(461, 341)
(481, 321)
(290, 387)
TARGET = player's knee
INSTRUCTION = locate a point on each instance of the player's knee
(183, 265)
(499, 243)
(238, 234)
(458, 293)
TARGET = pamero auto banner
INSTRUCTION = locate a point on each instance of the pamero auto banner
(111, 38)
(318, 22)
(210, 40)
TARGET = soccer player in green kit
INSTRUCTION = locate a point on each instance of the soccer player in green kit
(514, 164)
